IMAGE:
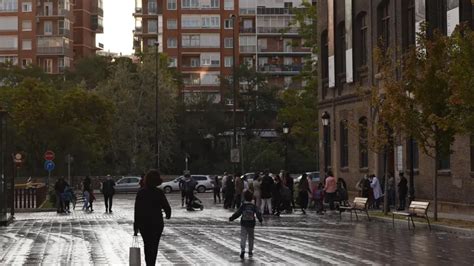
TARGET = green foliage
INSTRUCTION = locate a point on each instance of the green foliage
(91, 71)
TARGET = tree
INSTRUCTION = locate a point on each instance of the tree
(428, 102)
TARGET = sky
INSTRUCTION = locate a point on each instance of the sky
(118, 26)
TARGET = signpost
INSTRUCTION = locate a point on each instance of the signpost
(235, 155)
(49, 155)
(49, 164)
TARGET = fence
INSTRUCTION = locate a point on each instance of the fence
(29, 198)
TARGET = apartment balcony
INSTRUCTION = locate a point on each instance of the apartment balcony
(97, 11)
(285, 50)
(250, 30)
(97, 23)
(277, 30)
(281, 69)
(250, 49)
(60, 13)
(52, 50)
(53, 46)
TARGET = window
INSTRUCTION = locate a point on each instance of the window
(48, 66)
(26, 7)
(324, 55)
(190, 40)
(361, 39)
(64, 26)
(173, 62)
(228, 24)
(444, 160)
(186, 4)
(48, 9)
(172, 42)
(190, 22)
(228, 4)
(48, 28)
(150, 42)
(9, 23)
(171, 24)
(408, 23)
(472, 152)
(228, 42)
(363, 143)
(213, 3)
(195, 62)
(152, 26)
(152, 7)
(26, 45)
(8, 43)
(26, 62)
(383, 24)
(327, 145)
(228, 61)
(341, 49)
(9, 59)
(344, 135)
(262, 44)
(172, 4)
(210, 59)
(8, 5)
(210, 22)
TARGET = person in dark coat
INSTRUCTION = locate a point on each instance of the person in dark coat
(87, 186)
(402, 192)
(290, 185)
(108, 189)
(266, 188)
(276, 196)
(217, 189)
(229, 191)
(59, 187)
(148, 219)
(303, 193)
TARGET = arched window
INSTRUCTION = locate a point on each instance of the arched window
(363, 143)
(344, 135)
(383, 25)
(341, 48)
(324, 55)
(360, 38)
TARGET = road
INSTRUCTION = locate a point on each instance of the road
(204, 237)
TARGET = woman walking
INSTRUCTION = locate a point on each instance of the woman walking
(148, 220)
(303, 190)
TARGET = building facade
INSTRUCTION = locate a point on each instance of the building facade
(203, 38)
(88, 15)
(349, 31)
(42, 32)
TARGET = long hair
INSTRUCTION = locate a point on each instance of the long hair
(153, 178)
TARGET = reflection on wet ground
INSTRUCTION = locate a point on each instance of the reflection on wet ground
(204, 237)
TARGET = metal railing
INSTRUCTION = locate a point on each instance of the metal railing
(51, 50)
(280, 68)
(282, 30)
(29, 198)
(248, 48)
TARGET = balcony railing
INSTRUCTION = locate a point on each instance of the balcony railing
(250, 30)
(277, 30)
(248, 48)
(277, 68)
(98, 11)
(51, 50)
(61, 13)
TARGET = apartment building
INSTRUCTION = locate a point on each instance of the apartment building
(41, 32)
(199, 37)
(88, 15)
(350, 31)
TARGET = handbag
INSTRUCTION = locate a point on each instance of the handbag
(134, 257)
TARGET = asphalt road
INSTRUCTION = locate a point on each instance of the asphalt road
(206, 237)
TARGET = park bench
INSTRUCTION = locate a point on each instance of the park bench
(359, 204)
(416, 209)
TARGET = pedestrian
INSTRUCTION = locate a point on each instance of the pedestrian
(239, 189)
(59, 187)
(341, 192)
(217, 189)
(142, 181)
(190, 186)
(108, 189)
(330, 189)
(148, 218)
(276, 195)
(229, 192)
(67, 197)
(303, 192)
(318, 196)
(402, 191)
(248, 211)
(290, 183)
(377, 191)
(181, 184)
(267, 188)
(87, 193)
(391, 190)
(257, 190)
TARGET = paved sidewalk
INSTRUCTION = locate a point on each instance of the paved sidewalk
(206, 237)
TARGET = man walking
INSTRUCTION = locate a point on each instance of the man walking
(402, 192)
(266, 188)
(108, 189)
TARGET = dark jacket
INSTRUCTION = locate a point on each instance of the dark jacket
(86, 184)
(59, 186)
(108, 187)
(402, 186)
(248, 211)
(289, 182)
(267, 187)
(149, 204)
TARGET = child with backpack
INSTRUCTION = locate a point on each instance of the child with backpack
(248, 211)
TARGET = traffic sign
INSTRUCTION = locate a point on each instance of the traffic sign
(49, 155)
(49, 166)
(18, 158)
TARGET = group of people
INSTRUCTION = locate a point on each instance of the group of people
(64, 196)
(371, 187)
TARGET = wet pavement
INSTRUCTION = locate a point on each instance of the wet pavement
(206, 237)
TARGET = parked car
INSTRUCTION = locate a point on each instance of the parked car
(128, 184)
(249, 176)
(314, 177)
(204, 182)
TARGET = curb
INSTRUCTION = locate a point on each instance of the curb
(439, 227)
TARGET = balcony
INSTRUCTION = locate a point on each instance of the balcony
(287, 49)
(249, 30)
(98, 11)
(97, 23)
(248, 49)
(53, 46)
(51, 50)
(60, 13)
(277, 30)
(280, 69)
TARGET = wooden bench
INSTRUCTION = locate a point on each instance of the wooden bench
(359, 204)
(416, 209)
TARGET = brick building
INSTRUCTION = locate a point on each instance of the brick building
(199, 37)
(44, 32)
(349, 31)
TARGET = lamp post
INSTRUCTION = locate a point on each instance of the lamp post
(157, 147)
(234, 87)
(325, 121)
(411, 183)
(286, 131)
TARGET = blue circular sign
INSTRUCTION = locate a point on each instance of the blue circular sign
(49, 166)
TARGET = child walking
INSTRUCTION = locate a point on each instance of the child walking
(248, 211)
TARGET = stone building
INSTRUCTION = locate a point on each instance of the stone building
(349, 31)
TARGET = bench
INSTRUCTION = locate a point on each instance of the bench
(416, 209)
(359, 204)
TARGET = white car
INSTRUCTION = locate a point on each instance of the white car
(204, 182)
(314, 177)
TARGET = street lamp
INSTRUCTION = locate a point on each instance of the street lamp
(286, 131)
(325, 121)
(157, 147)
(411, 182)
(234, 87)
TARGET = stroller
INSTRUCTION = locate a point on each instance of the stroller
(195, 204)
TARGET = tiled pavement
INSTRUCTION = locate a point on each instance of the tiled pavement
(206, 237)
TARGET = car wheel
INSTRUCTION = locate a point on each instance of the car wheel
(201, 189)
(167, 189)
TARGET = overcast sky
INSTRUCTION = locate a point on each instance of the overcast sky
(118, 26)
